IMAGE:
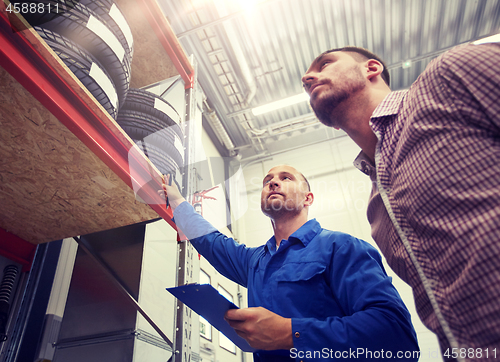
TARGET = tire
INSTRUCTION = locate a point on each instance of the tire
(161, 159)
(105, 46)
(109, 11)
(147, 124)
(145, 102)
(106, 9)
(51, 10)
(159, 146)
(85, 68)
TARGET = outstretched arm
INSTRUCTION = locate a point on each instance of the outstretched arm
(172, 193)
(222, 252)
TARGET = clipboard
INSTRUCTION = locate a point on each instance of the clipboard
(206, 301)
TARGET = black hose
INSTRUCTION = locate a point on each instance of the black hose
(8, 281)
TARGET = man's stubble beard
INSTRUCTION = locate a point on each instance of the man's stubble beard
(326, 104)
(278, 208)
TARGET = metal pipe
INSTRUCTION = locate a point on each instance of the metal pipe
(261, 156)
(239, 55)
(217, 126)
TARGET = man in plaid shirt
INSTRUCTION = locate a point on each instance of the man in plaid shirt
(433, 154)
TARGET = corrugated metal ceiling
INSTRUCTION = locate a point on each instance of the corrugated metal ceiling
(247, 56)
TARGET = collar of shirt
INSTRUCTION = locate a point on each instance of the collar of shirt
(387, 108)
(304, 234)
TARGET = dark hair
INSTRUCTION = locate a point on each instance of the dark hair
(366, 54)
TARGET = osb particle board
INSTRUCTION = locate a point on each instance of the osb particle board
(51, 185)
(150, 63)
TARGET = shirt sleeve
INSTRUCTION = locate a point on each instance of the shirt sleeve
(469, 78)
(222, 252)
(376, 324)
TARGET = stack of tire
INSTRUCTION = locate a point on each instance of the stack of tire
(95, 42)
(156, 128)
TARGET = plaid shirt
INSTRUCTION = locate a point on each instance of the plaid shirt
(438, 173)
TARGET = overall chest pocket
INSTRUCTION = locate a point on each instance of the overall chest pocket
(302, 289)
(297, 272)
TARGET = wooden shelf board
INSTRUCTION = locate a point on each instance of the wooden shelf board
(150, 63)
(51, 185)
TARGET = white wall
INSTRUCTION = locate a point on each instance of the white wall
(341, 194)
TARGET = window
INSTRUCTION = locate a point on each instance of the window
(225, 342)
(204, 277)
(205, 327)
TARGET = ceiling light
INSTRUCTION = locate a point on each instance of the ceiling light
(491, 39)
(248, 5)
(285, 102)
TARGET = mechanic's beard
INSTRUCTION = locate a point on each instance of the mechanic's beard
(276, 209)
(326, 104)
(325, 108)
